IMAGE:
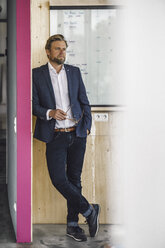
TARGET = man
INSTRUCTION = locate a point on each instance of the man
(63, 122)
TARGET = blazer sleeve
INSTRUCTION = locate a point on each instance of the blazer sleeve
(38, 110)
(85, 103)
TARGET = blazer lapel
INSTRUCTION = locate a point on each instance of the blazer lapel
(49, 83)
(70, 87)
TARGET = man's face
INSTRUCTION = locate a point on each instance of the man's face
(57, 52)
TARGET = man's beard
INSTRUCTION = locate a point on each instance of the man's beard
(58, 61)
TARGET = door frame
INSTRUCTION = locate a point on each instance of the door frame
(24, 130)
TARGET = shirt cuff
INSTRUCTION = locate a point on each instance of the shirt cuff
(47, 115)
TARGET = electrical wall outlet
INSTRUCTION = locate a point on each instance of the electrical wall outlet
(101, 117)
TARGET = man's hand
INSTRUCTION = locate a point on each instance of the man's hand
(88, 132)
(57, 114)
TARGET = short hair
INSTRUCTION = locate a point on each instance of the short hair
(55, 37)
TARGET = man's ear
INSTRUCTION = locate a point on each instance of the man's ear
(47, 52)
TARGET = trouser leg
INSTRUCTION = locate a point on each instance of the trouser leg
(75, 159)
(56, 154)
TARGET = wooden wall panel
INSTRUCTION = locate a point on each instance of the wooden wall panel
(101, 163)
(39, 31)
(48, 205)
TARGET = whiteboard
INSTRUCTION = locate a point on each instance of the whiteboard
(93, 37)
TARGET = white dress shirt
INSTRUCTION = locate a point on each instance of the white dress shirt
(61, 93)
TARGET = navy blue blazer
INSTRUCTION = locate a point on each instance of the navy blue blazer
(44, 99)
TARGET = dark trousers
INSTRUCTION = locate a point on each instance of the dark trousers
(65, 156)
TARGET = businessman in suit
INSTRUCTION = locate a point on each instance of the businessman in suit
(63, 122)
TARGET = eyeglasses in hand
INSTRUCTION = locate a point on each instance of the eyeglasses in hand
(74, 119)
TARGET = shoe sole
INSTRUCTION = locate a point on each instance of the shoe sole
(97, 221)
(79, 240)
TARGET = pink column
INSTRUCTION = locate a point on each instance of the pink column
(23, 121)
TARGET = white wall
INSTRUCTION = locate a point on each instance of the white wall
(144, 178)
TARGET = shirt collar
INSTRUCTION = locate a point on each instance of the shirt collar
(51, 68)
